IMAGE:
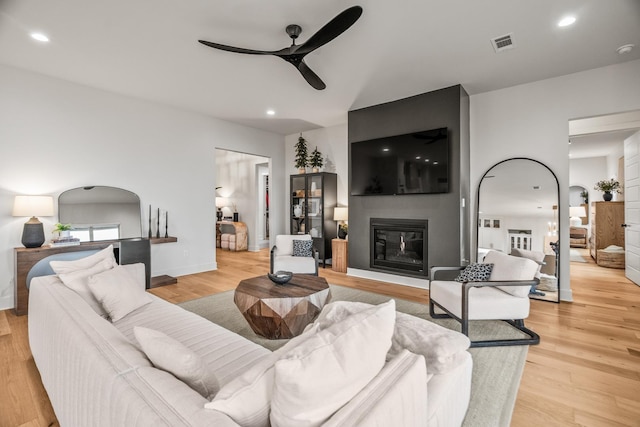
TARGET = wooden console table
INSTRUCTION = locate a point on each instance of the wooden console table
(164, 279)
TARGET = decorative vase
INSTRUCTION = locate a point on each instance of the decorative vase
(297, 210)
(341, 233)
(65, 234)
(235, 217)
(302, 170)
(607, 196)
(315, 170)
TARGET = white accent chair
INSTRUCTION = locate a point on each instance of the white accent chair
(282, 259)
(505, 296)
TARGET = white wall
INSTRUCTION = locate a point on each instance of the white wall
(56, 135)
(236, 174)
(532, 121)
(333, 143)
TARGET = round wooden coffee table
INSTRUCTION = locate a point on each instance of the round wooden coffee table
(281, 311)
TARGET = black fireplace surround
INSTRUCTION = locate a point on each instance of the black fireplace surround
(399, 246)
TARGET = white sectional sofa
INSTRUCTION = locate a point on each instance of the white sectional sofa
(96, 374)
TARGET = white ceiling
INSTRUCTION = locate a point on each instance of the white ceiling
(148, 49)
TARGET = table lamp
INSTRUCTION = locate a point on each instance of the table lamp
(220, 203)
(33, 206)
(341, 214)
(576, 213)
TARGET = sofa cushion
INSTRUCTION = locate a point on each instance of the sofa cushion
(118, 291)
(83, 263)
(536, 256)
(284, 242)
(302, 248)
(323, 373)
(172, 356)
(78, 280)
(476, 272)
(247, 398)
(442, 348)
(507, 267)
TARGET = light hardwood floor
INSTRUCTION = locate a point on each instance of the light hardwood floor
(585, 372)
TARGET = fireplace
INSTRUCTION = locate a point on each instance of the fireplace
(399, 245)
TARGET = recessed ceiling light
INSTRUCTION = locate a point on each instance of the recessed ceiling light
(566, 21)
(271, 113)
(625, 49)
(385, 149)
(40, 37)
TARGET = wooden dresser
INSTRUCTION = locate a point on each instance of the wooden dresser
(606, 226)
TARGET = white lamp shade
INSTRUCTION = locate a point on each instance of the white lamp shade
(341, 214)
(578, 211)
(221, 202)
(33, 206)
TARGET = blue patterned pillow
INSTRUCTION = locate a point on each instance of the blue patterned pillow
(476, 272)
(302, 247)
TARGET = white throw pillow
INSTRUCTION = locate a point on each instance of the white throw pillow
(507, 267)
(61, 267)
(247, 398)
(442, 348)
(174, 357)
(118, 292)
(319, 376)
(78, 280)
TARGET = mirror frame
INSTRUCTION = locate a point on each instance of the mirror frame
(131, 235)
(560, 210)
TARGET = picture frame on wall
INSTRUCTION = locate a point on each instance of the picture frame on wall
(496, 223)
(487, 223)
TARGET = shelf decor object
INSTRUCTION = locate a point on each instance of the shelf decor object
(341, 215)
(33, 206)
(280, 277)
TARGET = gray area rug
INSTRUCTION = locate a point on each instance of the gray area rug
(496, 371)
(575, 256)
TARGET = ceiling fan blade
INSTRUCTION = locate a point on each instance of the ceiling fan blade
(237, 49)
(331, 30)
(311, 77)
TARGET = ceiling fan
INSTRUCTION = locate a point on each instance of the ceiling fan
(295, 54)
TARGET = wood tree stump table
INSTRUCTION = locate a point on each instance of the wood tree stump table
(281, 311)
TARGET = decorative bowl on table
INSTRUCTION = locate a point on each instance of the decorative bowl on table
(280, 277)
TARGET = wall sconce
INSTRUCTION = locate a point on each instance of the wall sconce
(33, 206)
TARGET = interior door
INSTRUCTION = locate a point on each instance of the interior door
(632, 207)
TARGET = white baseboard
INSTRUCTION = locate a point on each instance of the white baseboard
(390, 278)
(7, 302)
(566, 295)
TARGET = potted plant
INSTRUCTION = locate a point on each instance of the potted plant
(315, 161)
(63, 230)
(302, 159)
(585, 196)
(608, 187)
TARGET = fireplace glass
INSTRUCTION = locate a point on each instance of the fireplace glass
(399, 245)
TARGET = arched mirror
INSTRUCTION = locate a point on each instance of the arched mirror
(101, 213)
(518, 214)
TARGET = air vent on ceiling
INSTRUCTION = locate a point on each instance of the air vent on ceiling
(503, 42)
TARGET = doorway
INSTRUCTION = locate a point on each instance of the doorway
(240, 192)
(597, 152)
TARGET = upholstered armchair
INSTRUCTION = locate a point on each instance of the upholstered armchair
(496, 289)
(294, 253)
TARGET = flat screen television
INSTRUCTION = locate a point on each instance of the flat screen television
(415, 163)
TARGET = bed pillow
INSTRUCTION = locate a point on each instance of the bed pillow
(319, 376)
(302, 247)
(476, 272)
(118, 292)
(78, 281)
(61, 267)
(174, 357)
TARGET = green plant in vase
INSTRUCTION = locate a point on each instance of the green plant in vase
(315, 161)
(302, 155)
(63, 230)
(585, 196)
(343, 230)
(608, 187)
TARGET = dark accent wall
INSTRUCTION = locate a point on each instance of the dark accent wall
(449, 236)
